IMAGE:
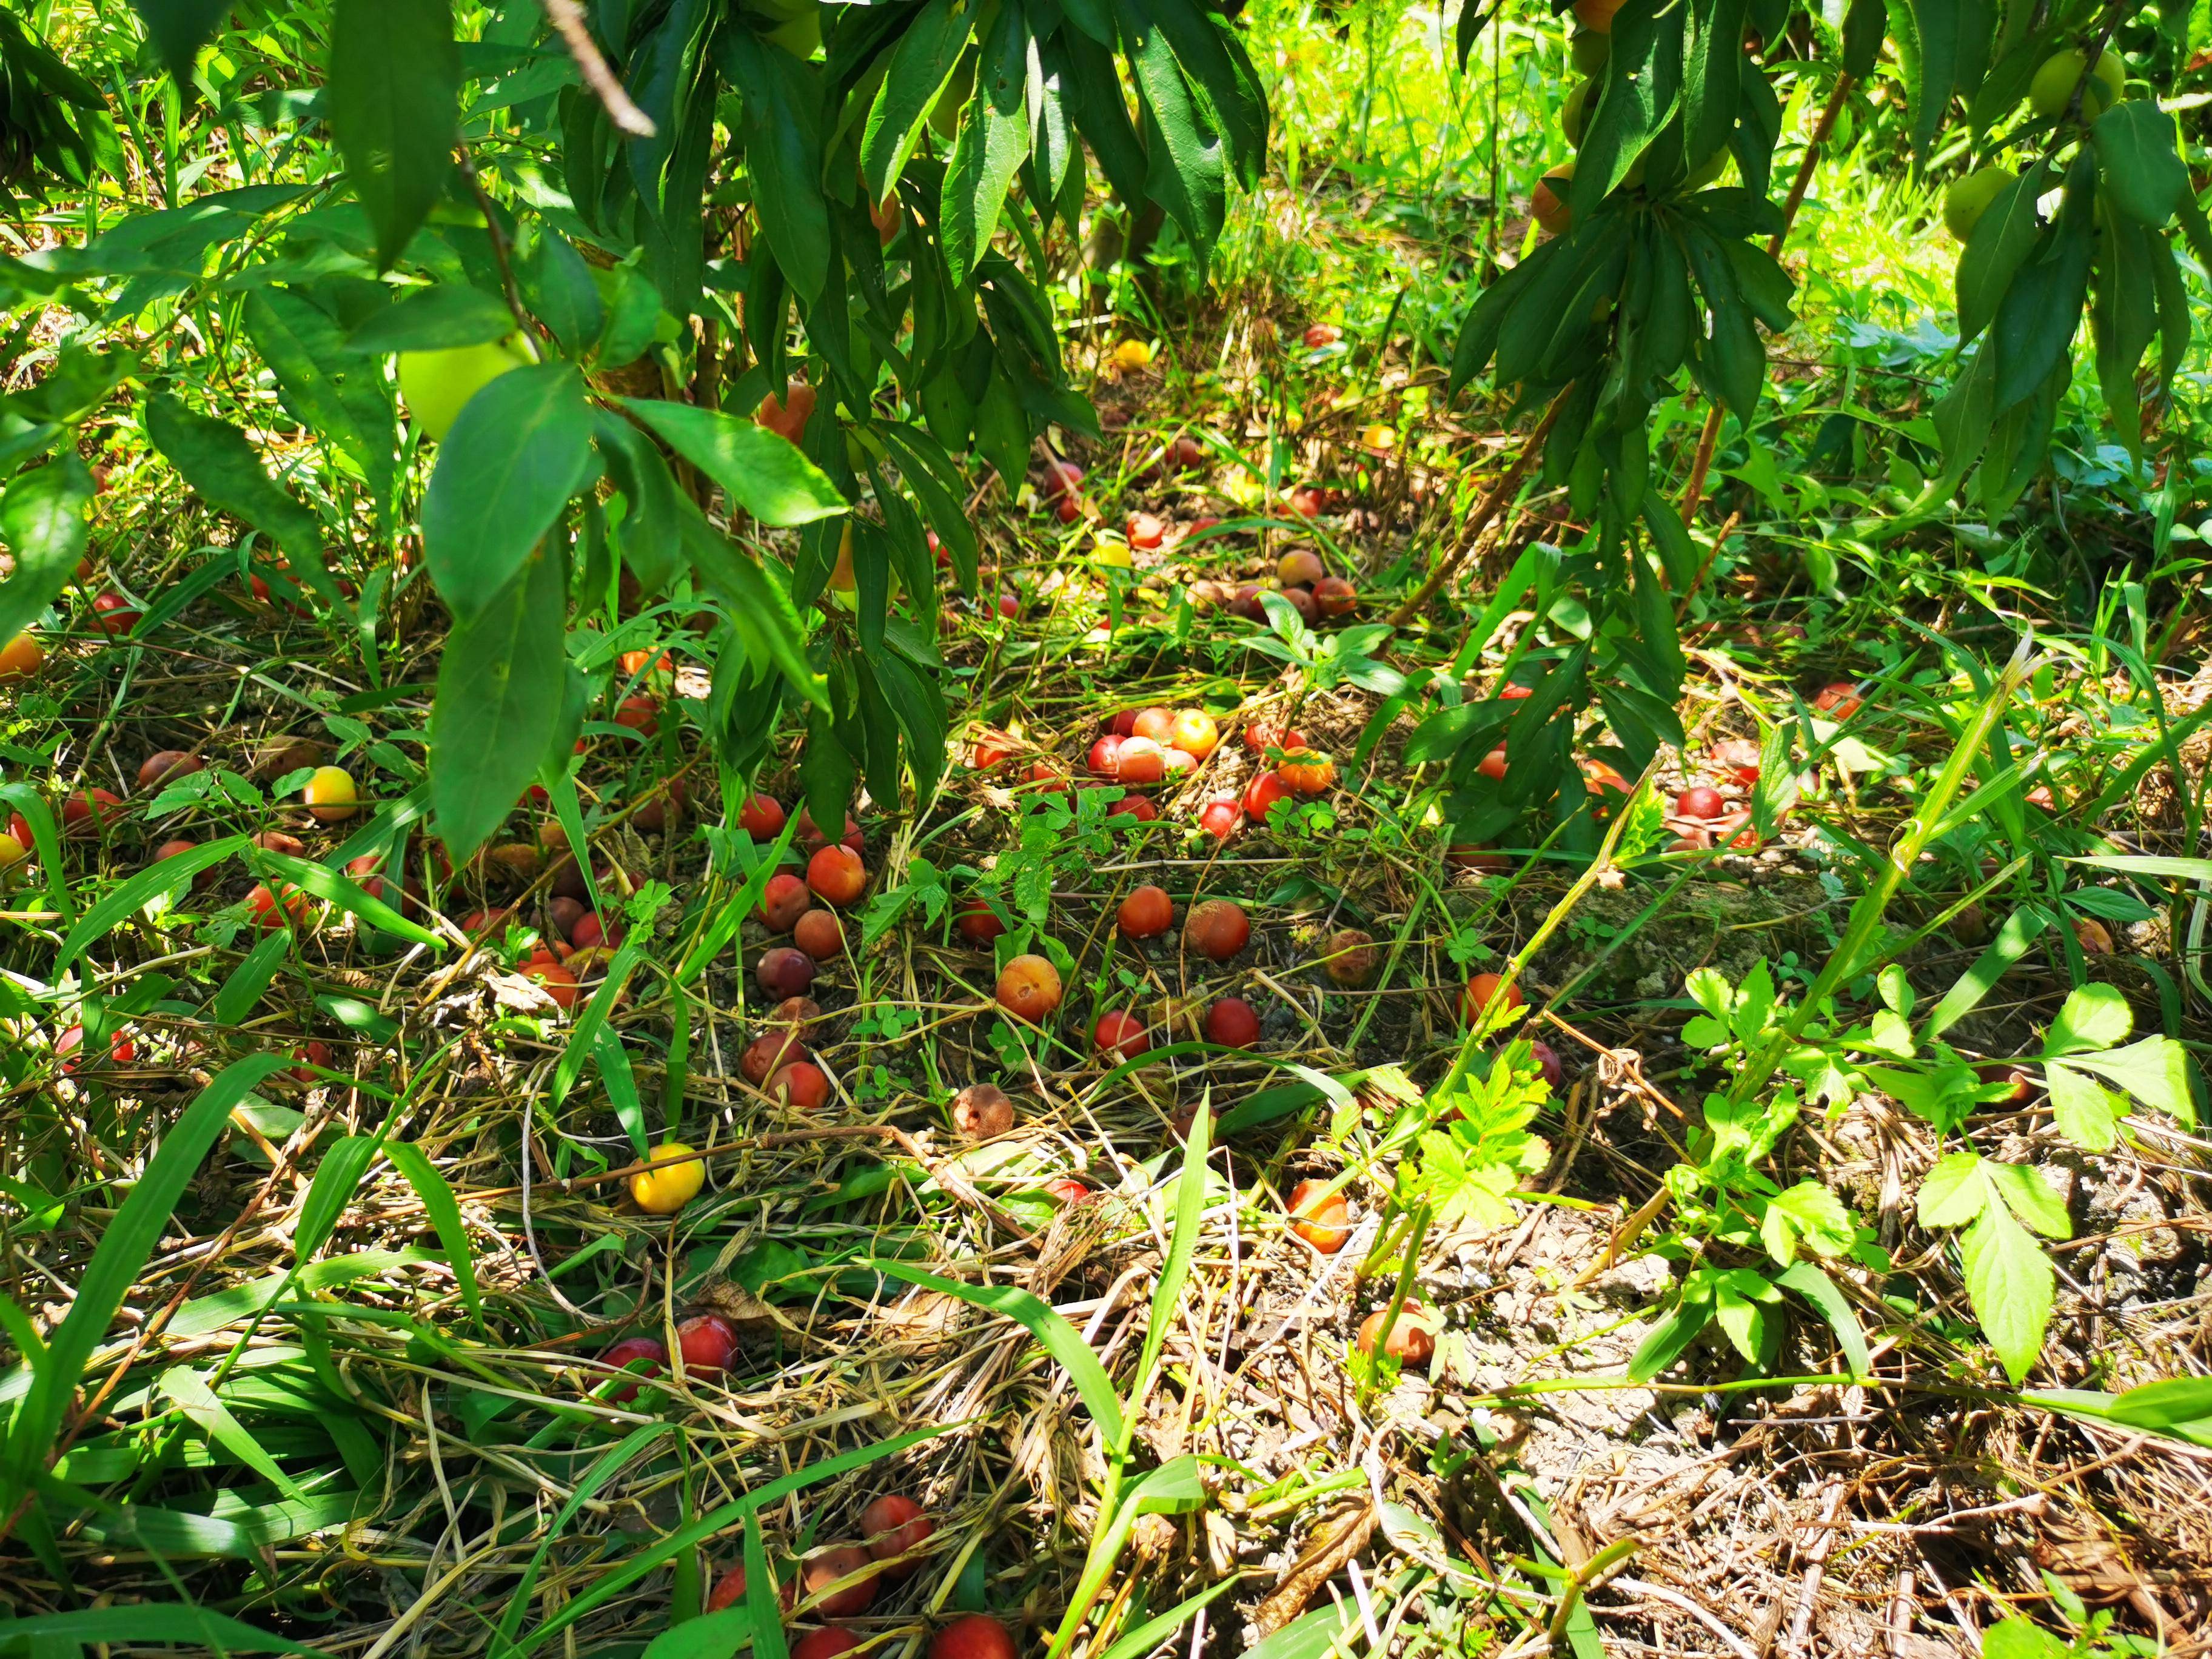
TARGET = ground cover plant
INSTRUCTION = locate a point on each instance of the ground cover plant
(1103, 827)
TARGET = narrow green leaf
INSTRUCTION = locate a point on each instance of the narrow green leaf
(445, 1213)
(127, 897)
(43, 523)
(759, 471)
(498, 706)
(393, 98)
(1827, 1300)
(337, 1178)
(178, 28)
(520, 447)
(158, 1623)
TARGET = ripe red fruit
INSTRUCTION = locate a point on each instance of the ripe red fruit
(1180, 762)
(1838, 701)
(837, 875)
(1145, 530)
(1350, 956)
(1146, 913)
(819, 934)
(639, 715)
(1700, 801)
(1048, 777)
(555, 980)
(1245, 603)
(275, 841)
(1261, 736)
(1119, 1035)
(1068, 509)
(767, 1051)
(169, 850)
(1030, 986)
(989, 749)
(1068, 1191)
(895, 1525)
(113, 614)
(1123, 725)
(824, 1644)
(762, 817)
(1140, 760)
(801, 1084)
(1104, 757)
(483, 924)
(663, 803)
(1738, 757)
(1413, 1337)
(825, 1567)
(982, 1110)
(1154, 723)
(1480, 989)
(164, 766)
(1216, 929)
(1300, 568)
(784, 972)
(629, 1351)
(1737, 834)
(784, 901)
(1301, 600)
(1493, 765)
(1307, 773)
(1318, 334)
(977, 922)
(1232, 1023)
(1321, 1218)
(815, 840)
(1477, 856)
(1308, 502)
(1601, 780)
(730, 1590)
(1061, 478)
(708, 1342)
(1262, 795)
(976, 1636)
(269, 912)
(121, 1050)
(1134, 807)
(1336, 596)
(1221, 818)
(588, 933)
(85, 813)
(1186, 452)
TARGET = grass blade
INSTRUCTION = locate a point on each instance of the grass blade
(132, 895)
(444, 1213)
(171, 1622)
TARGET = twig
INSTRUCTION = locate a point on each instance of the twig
(568, 20)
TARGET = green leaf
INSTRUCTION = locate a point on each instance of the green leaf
(2138, 164)
(393, 100)
(2155, 1070)
(43, 522)
(759, 471)
(2010, 1282)
(1955, 1192)
(562, 295)
(1809, 1212)
(130, 895)
(778, 126)
(2029, 1197)
(178, 28)
(993, 141)
(1667, 1339)
(718, 1635)
(2000, 240)
(337, 1178)
(2093, 1017)
(221, 465)
(445, 1213)
(2041, 309)
(1186, 170)
(155, 1623)
(246, 984)
(2015, 934)
(498, 705)
(1827, 1300)
(437, 317)
(759, 606)
(920, 66)
(520, 448)
(188, 1391)
(126, 1242)
(2082, 1109)
(1058, 1338)
(347, 894)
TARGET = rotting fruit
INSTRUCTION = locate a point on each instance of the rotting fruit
(784, 972)
(1320, 1217)
(666, 1190)
(982, 1110)
(1411, 1338)
(1350, 958)
(1218, 929)
(1030, 986)
(826, 1566)
(819, 934)
(767, 1051)
(785, 899)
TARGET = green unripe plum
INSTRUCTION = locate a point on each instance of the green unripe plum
(2053, 85)
(1575, 111)
(437, 385)
(801, 36)
(1590, 51)
(1969, 198)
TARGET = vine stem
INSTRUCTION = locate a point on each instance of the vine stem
(1487, 508)
(1822, 131)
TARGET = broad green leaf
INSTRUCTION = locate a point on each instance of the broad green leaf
(2155, 1070)
(521, 447)
(758, 469)
(1186, 161)
(394, 102)
(178, 28)
(2082, 1109)
(1955, 1192)
(2010, 1282)
(1058, 1338)
(2030, 1197)
(1817, 1288)
(126, 1243)
(1743, 1322)
(498, 705)
(2093, 1017)
(438, 1203)
(759, 606)
(1809, 1213)
(436, 317)
(562, 295)
(2139, 168)
(718, 1635)
(42, 523)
